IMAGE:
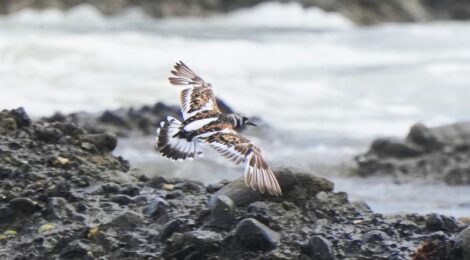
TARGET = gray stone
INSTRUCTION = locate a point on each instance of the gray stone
(105, 142)
(157, 209)
(127, 220)
(389, 147)
(122, 199)
(436, 222)
(320, 248)
(375, 236)
(75, 250)
(422, 136)
(253, 235)
(464, 241)
(223, 212)
(296, 186)
(24, 205)
(201, 238)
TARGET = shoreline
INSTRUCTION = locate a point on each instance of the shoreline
(66, 196)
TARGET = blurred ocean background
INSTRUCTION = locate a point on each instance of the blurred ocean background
(324, 87)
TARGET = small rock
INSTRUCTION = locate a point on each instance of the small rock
(201, 238)
(22, 119)
(46, 227)
(388, 147)
(211, 188)
(130, 190)
(57, 207)
(174, 194)
(157, 209)
(435, 222)
(75, 249)
(422, 136)
(321, 248)
(189, 186)
(105, 142)
(458, 176)
(297, 187)
(127, 220)
(464, 241)
(7, 215)
(108, 188)
(168, 186)
(170, 228)
(375, 236)
(253, 235)
(24, 205)
(48, 134)
(122, 199)
(223, 212)
(113, 118)
(361, 206)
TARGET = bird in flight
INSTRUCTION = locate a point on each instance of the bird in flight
(205, 125)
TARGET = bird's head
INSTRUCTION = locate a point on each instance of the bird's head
(239, 120)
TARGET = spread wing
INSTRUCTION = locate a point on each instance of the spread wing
(197, 94)
(239, 149)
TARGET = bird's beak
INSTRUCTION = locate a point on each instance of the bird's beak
(250, 123)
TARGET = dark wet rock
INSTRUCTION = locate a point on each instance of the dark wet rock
(174, 194)
(24, 205)
(394, 148)
(127, 220)
(130, 190)
(321, 248)
(423, 137)
(223, 212)
(61, 200)
(170, 228)
(122, 199)
(253, 235)
(212, 188)
(121, 122)
(436, 222)
(6, 215)
(102, 142)
(458, 176)
(21, 118)
(296, 187)
(438, 154)
(75, 250)
(113, 118)
(58, 208)
(157, 209)
(464, 242)
(193, 244)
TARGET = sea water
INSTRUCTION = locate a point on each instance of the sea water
(323, 86)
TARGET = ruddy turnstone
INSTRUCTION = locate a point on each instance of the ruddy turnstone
(204, 124)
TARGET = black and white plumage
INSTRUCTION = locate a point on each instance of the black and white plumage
(205, 125)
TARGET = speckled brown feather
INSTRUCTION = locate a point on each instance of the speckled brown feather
(199, 92)
(258, 174)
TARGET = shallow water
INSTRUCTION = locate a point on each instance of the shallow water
(324, 86)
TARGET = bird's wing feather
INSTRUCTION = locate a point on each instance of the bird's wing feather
(239, 149)
(197, 94)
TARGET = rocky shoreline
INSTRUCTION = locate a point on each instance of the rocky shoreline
(362, 12)
(63, 195)
(434, 155)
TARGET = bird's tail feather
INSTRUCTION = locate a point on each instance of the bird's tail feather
(170, 145)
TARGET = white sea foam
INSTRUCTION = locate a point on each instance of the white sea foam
(284, 15)
(353, 82)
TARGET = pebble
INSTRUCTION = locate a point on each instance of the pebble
(251, 234)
